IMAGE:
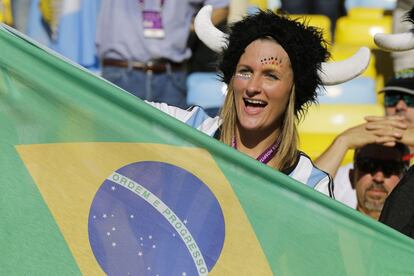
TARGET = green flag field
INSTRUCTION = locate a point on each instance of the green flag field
(96, 182)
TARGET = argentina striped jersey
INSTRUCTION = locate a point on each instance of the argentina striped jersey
(303, 171)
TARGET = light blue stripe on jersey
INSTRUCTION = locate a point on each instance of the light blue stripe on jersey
(197, 118)
(315, 177)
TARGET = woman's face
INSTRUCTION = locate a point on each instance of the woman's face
(262, 85)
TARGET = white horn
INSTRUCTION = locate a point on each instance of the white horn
(338, 72)
(395, 42)
(215, 39)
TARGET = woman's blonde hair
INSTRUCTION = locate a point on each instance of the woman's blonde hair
(288, 149)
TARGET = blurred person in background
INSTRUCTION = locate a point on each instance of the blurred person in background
(398, 210)
(396, 126)
(377, 169)
(142, 45)
(20, 10)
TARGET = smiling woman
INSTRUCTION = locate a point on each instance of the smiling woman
(272, 66)
(262, 88)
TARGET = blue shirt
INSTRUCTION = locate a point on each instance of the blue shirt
(120, 30)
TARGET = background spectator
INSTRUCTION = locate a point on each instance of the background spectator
(143, 45)
(377, 170)
(398, 126)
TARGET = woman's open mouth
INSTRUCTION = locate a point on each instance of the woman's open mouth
(254, 103)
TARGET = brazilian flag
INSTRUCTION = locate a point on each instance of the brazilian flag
(94, 181)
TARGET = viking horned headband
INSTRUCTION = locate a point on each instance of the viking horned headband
(304, 45)
(330, 73)
(397, 42)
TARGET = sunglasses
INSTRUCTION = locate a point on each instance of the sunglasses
(388, 168)
(391, 99)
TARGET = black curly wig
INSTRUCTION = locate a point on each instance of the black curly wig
(303, 44)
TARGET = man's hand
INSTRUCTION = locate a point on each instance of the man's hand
(389, 130)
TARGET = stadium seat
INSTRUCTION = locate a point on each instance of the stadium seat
(366, 12)
(360, 90)
(317, 20)
(206, 90)
(360, 31)
(385, 4)
(6, 12)
(324, 122)
(261, 4)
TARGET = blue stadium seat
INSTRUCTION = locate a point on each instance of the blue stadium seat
(206, 90)
(360, 90)
(385, 4)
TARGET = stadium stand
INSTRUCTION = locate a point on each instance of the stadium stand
(6, 12)
(357, 29)
(360, 31)
(325, 121)
(317, 20)
(261, 4)
(206, 90)
(385, 4)
(360, 90)
(366, 12)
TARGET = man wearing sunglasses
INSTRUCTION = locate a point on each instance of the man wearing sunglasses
(377, 170)
(399, 95)
(396, 126)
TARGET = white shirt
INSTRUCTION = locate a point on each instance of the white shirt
(343, 190)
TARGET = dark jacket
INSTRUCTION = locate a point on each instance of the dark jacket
(398, 211)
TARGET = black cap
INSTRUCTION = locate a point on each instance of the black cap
(398, 153)
(403, 82)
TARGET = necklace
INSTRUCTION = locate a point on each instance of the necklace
(265, 156)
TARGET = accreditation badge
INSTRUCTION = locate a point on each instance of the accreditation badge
(152, 22)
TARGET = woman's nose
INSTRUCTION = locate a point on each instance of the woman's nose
(254, 86)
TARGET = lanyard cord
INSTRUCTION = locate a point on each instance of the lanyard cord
(267, 155)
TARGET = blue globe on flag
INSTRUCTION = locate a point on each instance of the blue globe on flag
(154, 218)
